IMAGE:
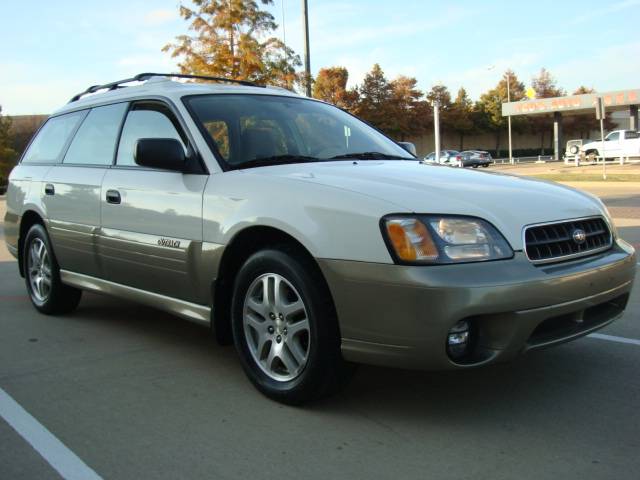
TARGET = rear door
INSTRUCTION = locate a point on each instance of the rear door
(151, 219)
(72, 189)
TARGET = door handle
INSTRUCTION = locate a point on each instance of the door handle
(49, 189)
(113, 196)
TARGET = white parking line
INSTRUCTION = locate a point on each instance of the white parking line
(63, 460)
(612, 338)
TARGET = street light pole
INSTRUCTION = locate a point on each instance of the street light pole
(307, 59)
(509, 116)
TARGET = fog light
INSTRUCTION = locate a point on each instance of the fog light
(458, 340)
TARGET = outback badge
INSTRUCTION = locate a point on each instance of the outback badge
(167, 242)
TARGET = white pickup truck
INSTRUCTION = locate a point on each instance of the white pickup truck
(619, 143)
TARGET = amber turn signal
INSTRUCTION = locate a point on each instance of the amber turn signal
(411, 240)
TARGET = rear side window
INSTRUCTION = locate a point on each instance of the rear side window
(146, 121)
(95, 141)
(628, 135)
(51, 139)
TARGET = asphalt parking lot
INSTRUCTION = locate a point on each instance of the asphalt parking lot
(136, 393)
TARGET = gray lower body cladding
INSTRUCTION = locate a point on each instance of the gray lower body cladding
(395, 315)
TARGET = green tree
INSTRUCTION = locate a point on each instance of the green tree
(545, 87)
(460, 116)
(331, 86)
(232, 39)
(489, 107)
(7, 153)
(375, 104)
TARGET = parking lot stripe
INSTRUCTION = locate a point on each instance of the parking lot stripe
(63, 460)
(613, 338)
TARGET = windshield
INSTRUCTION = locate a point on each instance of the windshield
(255, 130)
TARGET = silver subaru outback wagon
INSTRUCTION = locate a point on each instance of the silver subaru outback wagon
(302, 235)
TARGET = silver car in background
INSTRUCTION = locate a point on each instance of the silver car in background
(447, 157)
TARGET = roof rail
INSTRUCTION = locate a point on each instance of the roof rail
(141, 77)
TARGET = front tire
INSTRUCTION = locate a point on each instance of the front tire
(42, 275)
(285, 327)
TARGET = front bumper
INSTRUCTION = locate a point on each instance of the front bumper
(396, 315)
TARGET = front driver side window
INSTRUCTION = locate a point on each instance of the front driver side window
(146, 121)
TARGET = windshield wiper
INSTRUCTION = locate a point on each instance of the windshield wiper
(370, 156)
(275, 160)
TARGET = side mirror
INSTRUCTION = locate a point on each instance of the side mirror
(161, 153)
(409, 147)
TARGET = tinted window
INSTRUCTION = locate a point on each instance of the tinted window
(613, 136)
(631, 135)
(152, 121)
(95, 141)
(269, 126)
(51, 139)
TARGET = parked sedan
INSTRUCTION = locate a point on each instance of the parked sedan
(447, 157)
(476, 158)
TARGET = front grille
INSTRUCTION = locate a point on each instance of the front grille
(554, 242)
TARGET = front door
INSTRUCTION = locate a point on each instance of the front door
(612, 145)
(151, 219)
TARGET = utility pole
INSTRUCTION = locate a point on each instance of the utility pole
(307, 59)
(601, 115)
(436, 127)
(509, 117)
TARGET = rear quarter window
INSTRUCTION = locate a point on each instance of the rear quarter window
(51, 139)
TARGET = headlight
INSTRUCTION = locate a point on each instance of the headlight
(437, 239)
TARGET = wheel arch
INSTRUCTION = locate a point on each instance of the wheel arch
(244, 244)
(29, 219)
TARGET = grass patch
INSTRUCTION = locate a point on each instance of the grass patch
(588, 177)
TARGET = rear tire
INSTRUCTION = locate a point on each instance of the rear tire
(285, 327)
(42, 275)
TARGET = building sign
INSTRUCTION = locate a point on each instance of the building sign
(573, 103)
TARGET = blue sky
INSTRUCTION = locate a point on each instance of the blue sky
(51, 50)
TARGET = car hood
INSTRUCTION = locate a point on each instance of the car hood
(508, 202)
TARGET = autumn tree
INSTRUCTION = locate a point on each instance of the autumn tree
(375, 94)
(545, 87)
(233, 39)
(7, 153)
(442, 95)
(409, 113)
(331, 86)
(460, 116)
(489, 107)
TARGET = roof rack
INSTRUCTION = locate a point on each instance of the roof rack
(141, 77)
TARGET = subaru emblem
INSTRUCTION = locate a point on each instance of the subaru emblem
(579, 236)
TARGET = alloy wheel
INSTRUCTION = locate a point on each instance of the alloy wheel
(39, 270)
(276, 327)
